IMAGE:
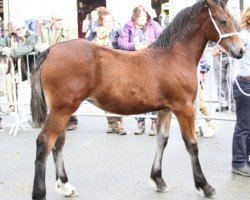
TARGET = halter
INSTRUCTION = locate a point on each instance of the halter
(222, 36)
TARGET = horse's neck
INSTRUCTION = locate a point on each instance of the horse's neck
(193, 48)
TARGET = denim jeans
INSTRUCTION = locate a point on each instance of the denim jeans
(241, 137)
(142, 119)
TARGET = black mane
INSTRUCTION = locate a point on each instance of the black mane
(180, 28)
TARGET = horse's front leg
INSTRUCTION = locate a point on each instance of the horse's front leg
(164, 119)
(45, 142)
(185, 116)
(62, 184)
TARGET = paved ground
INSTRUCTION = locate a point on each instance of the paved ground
(112, 167)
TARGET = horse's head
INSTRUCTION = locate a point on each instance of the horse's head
(224, 27)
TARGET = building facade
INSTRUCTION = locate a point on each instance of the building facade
(122, 10)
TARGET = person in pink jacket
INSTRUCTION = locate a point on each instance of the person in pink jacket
(140, 31)
(137, 34)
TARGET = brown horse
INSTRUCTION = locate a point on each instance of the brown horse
(160, 78)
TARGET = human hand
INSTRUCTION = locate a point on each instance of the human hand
(216, 50)
(6, 51)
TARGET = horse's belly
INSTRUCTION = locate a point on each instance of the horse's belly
(128, 107)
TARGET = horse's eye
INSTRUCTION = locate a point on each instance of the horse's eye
(223, 22)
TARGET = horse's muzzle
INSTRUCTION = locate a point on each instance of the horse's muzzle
(237, 53)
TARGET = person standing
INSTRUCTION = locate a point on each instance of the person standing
(16, 45)
(137, 34)
(51, 34)
(224, 81)
(208, 129)
(106, 34)
(241, 92)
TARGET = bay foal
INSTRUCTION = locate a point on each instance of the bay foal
(160, 78)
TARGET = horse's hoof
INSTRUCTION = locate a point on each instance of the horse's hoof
(66, 189)
(160, 188)
(211, 194)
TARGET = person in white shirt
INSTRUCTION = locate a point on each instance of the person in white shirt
(241, 92)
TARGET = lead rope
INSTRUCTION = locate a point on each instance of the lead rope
(238, 85)
(222, 36)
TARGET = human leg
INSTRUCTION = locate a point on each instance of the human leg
(140, 126)
(209, 129)
(9, 88)
(241, 130)
(153, 130)
(221, 83)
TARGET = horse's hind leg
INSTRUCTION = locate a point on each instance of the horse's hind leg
(62, 184)
(164, 118)
(54, 126)
(185, 116)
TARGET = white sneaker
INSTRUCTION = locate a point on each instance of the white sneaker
(206, 132)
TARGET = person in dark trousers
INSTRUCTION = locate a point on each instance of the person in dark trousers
(241, 92)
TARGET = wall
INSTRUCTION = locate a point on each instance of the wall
(37, 9)
(122, 10)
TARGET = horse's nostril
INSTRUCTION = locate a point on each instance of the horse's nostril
(241, 52)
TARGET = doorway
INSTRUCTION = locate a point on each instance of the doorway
(85, 7)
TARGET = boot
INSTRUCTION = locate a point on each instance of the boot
(153, 130)
(115, 126)
(206, 131)
(110, 129)
(140, 128)
(119, 129)
(211, 125)
(111, 125)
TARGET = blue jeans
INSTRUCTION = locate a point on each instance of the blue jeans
(241, 137)
(142, 119)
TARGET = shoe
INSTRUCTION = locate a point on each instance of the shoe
(211, 125)
(244, 170)
(153, 130)
(222, 109)
(205, 131)
(10, 109)
(116, 127)
(73, 122)
(119, 129)
(110, 129)
(140, 128)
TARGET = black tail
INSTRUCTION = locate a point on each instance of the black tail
(38, 105)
